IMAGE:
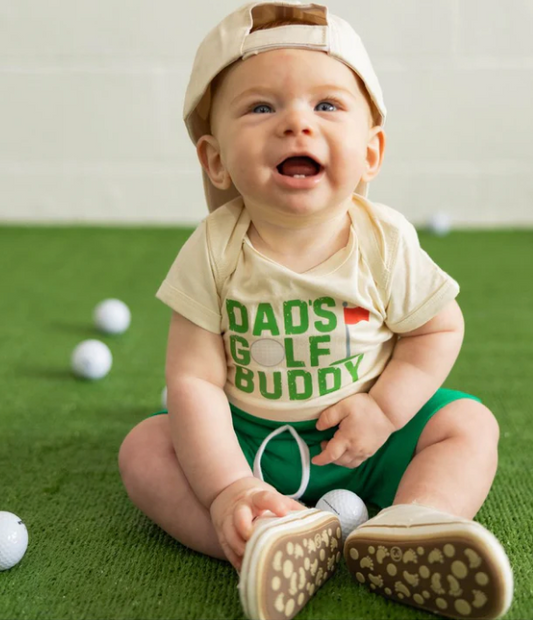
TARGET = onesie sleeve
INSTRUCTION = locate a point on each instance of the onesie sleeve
(189, 287)
(419, 288)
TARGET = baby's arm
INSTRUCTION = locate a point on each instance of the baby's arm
(199, 414)
(205, 442)
(421, 361)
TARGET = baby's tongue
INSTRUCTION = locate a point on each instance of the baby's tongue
(298, 165)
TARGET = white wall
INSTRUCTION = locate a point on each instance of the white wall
(91, 95)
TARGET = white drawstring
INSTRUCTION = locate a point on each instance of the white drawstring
(304, 454)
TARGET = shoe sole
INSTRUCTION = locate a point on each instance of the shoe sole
(286, 560)
(456, 570)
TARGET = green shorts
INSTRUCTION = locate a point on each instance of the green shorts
(284, 464)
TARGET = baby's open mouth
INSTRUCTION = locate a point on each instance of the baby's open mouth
(299, 167)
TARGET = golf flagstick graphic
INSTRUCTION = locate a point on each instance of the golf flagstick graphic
(351, 317)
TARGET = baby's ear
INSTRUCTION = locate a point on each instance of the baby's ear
(208, 151)
(375, 153)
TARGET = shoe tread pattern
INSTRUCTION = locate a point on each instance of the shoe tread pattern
(451, 577)
(295, 566)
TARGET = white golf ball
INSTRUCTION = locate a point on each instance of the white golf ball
(348, 506)
(13, 540)
(112, 316)
(164, 397)
(91, 359)
(440, 223)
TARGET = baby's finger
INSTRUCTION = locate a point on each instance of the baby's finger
(271, 500)
(232, 557)
(345, 460)
(330, 417)
(234, 539)
(288, 503)
(332, 452)
(242, 518)
(354, 463)
(294, 505)
(357, 460)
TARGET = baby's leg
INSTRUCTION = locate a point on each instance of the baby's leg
(455, 460)
(425, 550)
(157, 485)
(297, 553)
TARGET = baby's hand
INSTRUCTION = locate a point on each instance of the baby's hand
(235, 508)
(363, 429)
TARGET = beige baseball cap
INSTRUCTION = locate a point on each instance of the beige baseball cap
(232, 39)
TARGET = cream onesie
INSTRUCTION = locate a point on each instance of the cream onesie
(296, 343)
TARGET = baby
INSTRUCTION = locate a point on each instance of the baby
(309, 340)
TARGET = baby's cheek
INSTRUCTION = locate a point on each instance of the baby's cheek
(241, 177)
(246, 173)
(350, 162)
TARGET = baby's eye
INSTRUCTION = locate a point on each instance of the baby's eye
(262, 108)
(326, 103)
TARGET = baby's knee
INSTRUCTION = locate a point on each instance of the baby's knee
(134, 453)
(477, 424)
(484, 426)
(128, 455)
(491, 425)
(464, 420)
(481, 437)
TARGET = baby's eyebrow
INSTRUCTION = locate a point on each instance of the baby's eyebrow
(262, 90)
(255, 90)
(330, 88)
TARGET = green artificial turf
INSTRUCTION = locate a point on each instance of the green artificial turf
(91, 553)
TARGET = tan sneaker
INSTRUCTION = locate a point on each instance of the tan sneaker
(448, 565)
(286, 560)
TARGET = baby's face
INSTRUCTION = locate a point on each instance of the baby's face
(286, 103)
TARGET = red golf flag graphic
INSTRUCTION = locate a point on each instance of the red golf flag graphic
(355, 315)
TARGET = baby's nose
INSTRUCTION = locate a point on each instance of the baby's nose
(296, 122)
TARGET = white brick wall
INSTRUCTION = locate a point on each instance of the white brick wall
(91, 96)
